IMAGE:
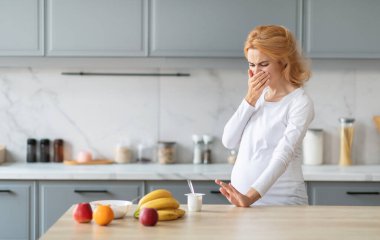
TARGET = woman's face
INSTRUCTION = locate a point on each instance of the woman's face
(259, 61)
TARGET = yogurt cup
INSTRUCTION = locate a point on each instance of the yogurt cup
(194, 202)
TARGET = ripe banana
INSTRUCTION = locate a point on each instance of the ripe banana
(166, 214)
(159, 193)
(161, 203)
(170, 214)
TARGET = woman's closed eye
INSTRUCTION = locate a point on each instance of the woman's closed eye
(262, 64)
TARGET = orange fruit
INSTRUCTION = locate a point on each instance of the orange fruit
(103, 215)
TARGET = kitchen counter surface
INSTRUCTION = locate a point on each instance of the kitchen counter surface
(229, 222)
(58, 171)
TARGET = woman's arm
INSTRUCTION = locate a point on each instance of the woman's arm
(299, 118)
(235, 126)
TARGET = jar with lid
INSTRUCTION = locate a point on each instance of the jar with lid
(45, 150)
(346, 139)
(313, 147)
(31, 150)
(58, 150)
(166, 152)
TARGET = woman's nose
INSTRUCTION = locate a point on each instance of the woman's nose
(255, 70)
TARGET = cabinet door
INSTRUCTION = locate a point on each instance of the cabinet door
(214, 28)
(342, 28)
(96, 28)
(180, 188)
(344, 193)
(17, 205)
(21, 27)
(57, 197)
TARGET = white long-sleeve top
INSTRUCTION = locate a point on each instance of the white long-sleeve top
(269, 137)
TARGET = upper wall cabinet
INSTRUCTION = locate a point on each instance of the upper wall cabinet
(214, 28)
(342, 28)
(21, 27)
(96, 27)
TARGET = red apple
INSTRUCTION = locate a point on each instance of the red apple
(148, 216)
(82, 213)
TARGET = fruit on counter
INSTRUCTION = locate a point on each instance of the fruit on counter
(148, 216)
(159, 193)
(162, 200)
(103, 215)
(161, 203)
(82, 213)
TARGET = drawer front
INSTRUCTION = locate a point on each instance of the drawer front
(347, 193)
(57, 197)
(180, 188)
(17, 204)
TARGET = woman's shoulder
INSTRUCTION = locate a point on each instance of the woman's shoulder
(301, 100)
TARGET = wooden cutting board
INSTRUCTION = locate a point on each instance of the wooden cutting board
(93, 162)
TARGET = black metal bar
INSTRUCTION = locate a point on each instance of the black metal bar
(215, 192)
(128, 74)
(363, 193)
(90, 191)
(5, 191)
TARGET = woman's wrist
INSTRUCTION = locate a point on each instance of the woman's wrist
(251, 100)
(253, 195)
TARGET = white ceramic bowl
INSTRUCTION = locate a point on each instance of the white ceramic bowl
(119, 207)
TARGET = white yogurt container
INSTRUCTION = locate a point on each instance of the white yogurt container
(194, 202)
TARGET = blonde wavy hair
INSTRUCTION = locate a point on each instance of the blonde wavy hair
(279, 44)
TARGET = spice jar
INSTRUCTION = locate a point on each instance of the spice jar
(45, 150)
(31, 150)
(166, 152)
(58, 150)
(346, 139)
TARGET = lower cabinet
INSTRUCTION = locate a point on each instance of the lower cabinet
(17, 205)
(55, 197)
(179, 188)
(344, 193)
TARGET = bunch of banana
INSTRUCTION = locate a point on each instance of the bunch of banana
(162, 200)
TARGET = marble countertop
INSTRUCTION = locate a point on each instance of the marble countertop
(57, 171)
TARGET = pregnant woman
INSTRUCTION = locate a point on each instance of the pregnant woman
(269, 125)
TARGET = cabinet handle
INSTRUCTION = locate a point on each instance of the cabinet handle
(90, 191)
(215, 192)
(5, 191)
(363, 193)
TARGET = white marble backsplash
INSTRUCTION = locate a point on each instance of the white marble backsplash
(96, 113)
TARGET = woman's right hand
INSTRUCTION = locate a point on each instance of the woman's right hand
(256, 84)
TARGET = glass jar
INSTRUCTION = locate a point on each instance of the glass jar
(232, 156)
(58, 150)
(45, 150)
(346, 139)
(123, 154)
(166, 152)
(144, 153)
(31, 150)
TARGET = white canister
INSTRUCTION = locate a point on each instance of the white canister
(313, 147)
(2, 153)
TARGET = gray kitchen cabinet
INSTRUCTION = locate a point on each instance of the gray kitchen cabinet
(179, 188)
(96, 28)
(344, 193)
(342, 29)
(55, 197)
(214, 28)
(17, 204)
(22, 27)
